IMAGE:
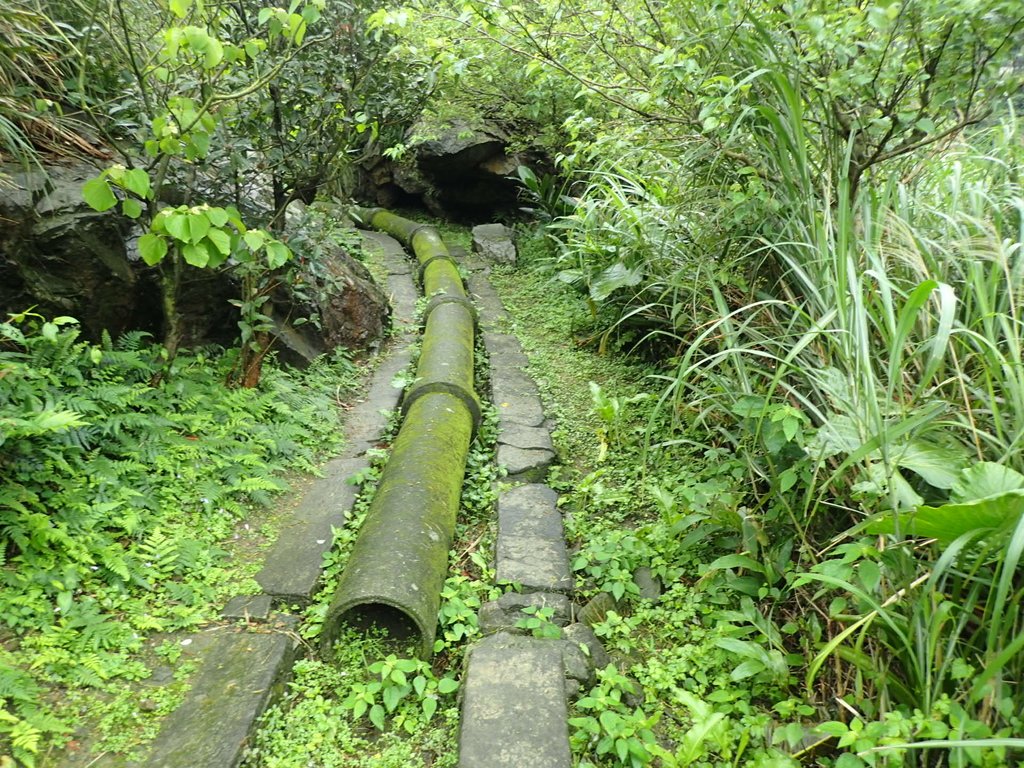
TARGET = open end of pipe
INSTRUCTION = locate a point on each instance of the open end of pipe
(396, 623)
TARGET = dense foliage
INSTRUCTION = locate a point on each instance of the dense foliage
(809, 219)
(806, 220)
(117, 498)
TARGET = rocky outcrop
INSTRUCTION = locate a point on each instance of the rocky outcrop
(462, 171)
(63, 258)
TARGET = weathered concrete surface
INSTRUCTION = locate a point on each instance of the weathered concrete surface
(515, 396)
(241, 674)
(248, 608)
(505, 351)
(531, 545)
(523, 464)
(527, 438)
(494, 243)
(293, 565)
(513, 706)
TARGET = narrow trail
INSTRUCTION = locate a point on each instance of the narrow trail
(515, 685)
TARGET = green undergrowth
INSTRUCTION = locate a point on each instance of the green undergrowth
(371, 702)
(723, 667)
(133, 500)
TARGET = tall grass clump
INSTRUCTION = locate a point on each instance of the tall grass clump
(891, 321)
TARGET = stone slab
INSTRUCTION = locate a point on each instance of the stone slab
(522, 436)
(534, 564)
(516, 397)
(505, 350)
(293, 564)
(531, 548)
(239, 678)
(367, 419)
(396, 262)
(503, 614)
(490, 308)
(525, 464)
(513, 707)
(248, 608)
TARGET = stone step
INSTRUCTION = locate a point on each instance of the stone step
(240, 676)
(531, 543)
(513, 705)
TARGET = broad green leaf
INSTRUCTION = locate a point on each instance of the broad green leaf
(98, 195)
(277, 254)
(220, 239)
(746, 669)
(214, 54)
(198, 226)
(984, 479)
(131, 208)
(429, 707)
(198, 39)
(177, 226)
(938, 466)
(610, 280)
(255, 238)
(136, 181)
(838, 435)
(447, 685)
(196, 255)
(152, 248)
(198, 145)
(950, 521)
(377, 716)
(743, 648)
(392, 695)
(180, 8)
(217, 216)
(736, 561)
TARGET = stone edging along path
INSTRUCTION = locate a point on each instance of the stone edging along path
(515, 686)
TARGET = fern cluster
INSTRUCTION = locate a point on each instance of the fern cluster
(114, 493)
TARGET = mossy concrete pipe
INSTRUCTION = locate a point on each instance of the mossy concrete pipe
(399, 562)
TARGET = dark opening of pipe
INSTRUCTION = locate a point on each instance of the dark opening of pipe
(395, 622)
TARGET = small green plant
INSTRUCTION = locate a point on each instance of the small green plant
(538, 621)
(404, 690)
(612, 729)
(457, 618)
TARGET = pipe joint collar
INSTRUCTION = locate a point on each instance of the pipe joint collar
(431, 260)
(447, 298)
(466, 396)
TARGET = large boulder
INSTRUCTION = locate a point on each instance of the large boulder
(62, 257)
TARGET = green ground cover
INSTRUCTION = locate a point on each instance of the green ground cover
(130, 512)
